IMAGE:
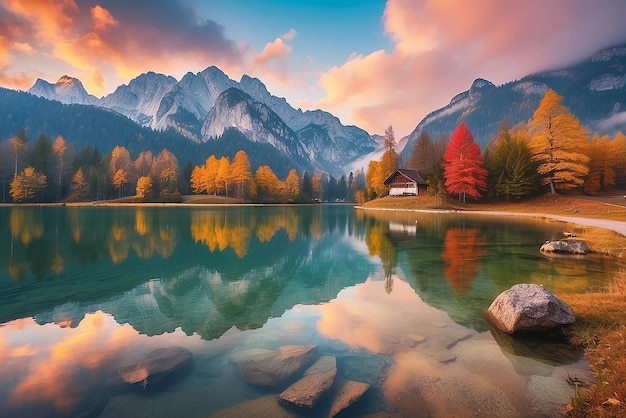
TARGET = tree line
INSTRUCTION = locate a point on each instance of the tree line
(552, 152)
(53, 171)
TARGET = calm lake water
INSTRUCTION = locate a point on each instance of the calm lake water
(397, 299)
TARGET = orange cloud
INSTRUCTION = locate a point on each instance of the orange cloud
(78, 38)
(273, 61)
(102, 19)
(441, 46)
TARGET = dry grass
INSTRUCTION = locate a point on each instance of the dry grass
(601, 317)
(601, 330)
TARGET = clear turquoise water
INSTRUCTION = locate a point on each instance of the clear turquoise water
(397, 299)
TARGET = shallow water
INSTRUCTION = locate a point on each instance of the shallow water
(397, 299)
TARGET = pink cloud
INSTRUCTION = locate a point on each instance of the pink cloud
(440, 47)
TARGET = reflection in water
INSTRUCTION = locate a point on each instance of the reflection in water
(101, 287)
(462, 253)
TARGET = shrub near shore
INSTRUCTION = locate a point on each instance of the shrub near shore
(601, 316)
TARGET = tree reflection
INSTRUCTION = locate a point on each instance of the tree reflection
(219, 230)
(462, 252)
(378, 243)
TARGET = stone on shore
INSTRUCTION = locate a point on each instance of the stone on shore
(347, 393)
(261, 367)
(316, 381)
(158, 364)
(529, 307)
(566, 247)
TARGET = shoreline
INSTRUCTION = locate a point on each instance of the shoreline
(615, 226)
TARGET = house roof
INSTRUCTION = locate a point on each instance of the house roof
(412, 175)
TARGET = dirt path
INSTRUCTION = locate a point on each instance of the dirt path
(617, 226)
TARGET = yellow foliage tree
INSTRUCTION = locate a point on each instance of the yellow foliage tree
(269, 187)
(198, 182)
(79, 184)
(144, 188)
(222, 180)
(559, 144)
(26, 184)
(602, 163)
(241, 174)
(292, 186)
(120, 178)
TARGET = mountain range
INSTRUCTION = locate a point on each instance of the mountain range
(208, 112)
(593, 90)
(202, 106)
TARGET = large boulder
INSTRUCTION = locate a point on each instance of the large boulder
(262, 367)
(565, 247)
(317, 379)
(160, 363)
(529, 307)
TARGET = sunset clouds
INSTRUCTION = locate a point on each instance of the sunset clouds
(323, 54)
(441, 46)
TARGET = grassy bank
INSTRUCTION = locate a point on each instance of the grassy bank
(601, 317)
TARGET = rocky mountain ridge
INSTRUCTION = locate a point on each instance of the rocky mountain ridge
(187, 106)
(593, 89)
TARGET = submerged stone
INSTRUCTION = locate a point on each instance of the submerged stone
(272, 368)
(347, 393)
(158, 364)
(316, 381)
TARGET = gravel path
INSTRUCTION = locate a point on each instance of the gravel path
(617, 226)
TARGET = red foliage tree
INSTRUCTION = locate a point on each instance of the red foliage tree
(463, 165)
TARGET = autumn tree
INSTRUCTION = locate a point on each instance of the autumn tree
(27, 184)
(120, 168)
(269, 187)
(198, 179)
(512, 171)
(389, 160)
(374, 180)
(143, 164)
(165, 171)
(120, 178)
(316, 185)
(292, 186)
(241, 174)
(618, 148)
(463, 165)
(559, 144)
(223, 178)
(144, 188)
(79, 184)
(601, 174)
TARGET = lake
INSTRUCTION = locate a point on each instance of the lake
(396, 299)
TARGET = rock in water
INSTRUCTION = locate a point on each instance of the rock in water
(347, 393)
(272, 368)
(158, 364)
(529, 307)
(317, 379)
(567, 247)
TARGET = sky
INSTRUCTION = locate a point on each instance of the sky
(372, 63)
